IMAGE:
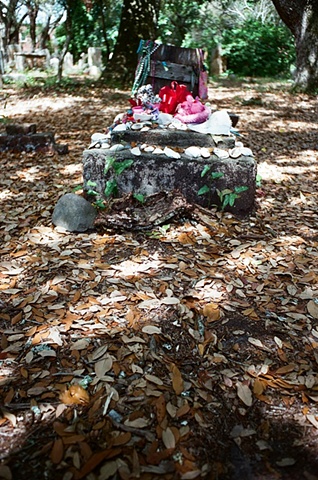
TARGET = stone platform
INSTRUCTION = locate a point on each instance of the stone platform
(150, 172)
(24, 138)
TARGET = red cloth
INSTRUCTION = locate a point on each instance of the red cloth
(172, 96)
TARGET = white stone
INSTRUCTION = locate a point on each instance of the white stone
(247, 152)
(171, 153)
(135, 151)
(149, 148)
(98, 136)
(193, 152)
(221, 153)
(158, 151)
(117, 147)
(120, 128)
(205, 152)
(136, 126)
(235, 152)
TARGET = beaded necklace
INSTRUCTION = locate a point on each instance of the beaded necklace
(144, 64)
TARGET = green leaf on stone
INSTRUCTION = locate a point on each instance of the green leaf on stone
(108, 164)
(216, 175)
(241, 189)
(91, 184)
(203, 190)
(111, 188)
(119, 167)
(232, 197)
(205, 170)
(91, 192)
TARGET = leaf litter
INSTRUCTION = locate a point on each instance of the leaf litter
(184, 352)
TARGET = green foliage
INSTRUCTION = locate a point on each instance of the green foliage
(228, 197)
(177, 18)
(111, 188)
(203, 190)
(214, 176)
(259, 49)
(118, 168)
(97, 28)
(140, 197)
(161, 232)
(258, 181)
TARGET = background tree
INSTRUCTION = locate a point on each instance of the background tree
(69, 7)
(139, 20)
(178, 18)
(12, 19)
(52, 14)
(301, 17)
(33, 7)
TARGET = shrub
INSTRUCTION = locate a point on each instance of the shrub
(259, 49)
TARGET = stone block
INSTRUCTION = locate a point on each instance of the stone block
(174, 138)
(153, 173)
(20, 129)
(31, 142)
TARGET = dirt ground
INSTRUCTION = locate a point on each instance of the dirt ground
(188, 351)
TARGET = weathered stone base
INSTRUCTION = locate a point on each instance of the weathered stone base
(152, 173)
(23, 138)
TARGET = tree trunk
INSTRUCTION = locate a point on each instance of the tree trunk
(301, 17)
(33, 11)
(138, 21)
(68, 37)
(8, 16)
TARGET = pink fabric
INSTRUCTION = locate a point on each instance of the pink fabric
(192, 111)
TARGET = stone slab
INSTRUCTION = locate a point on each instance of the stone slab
(43, 142)
(151, 174)
(173, 138)
(20, 129)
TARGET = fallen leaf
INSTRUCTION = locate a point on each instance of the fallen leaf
(244, 393)
(75, 394)
(151, 329)
(177, 380)
(57, 452)
(312, 308)
(168, 438)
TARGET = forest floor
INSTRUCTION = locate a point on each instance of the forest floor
(189, 351)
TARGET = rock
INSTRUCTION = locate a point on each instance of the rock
(74, 213)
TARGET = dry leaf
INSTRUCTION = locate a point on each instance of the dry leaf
(170, 301)
(151, 329)
(286, 369)
(9, 416)
(177, 380)
(168, 438)
(313, 420)
(244, 393)
(75, 394)
(153, 379)
(211, 311)
(103, 366)
(137, 423)
(312, 308)
(258, 387)
(5, 473)
(57, 452)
